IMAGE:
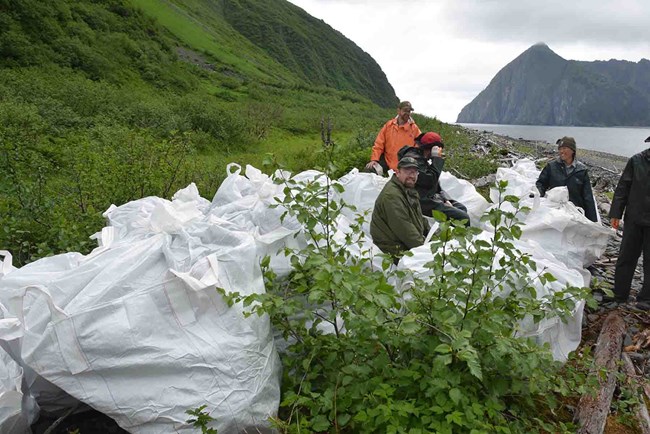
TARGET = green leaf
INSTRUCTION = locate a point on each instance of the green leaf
(455, 395)
(343, 419)
(409, 325)
(320, 423)
(362, 416)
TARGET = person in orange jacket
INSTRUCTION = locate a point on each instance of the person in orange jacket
(396, 133)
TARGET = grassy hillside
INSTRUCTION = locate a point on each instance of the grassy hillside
(309, 47)
(105, 102)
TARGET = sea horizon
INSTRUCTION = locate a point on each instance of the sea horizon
(623, 141)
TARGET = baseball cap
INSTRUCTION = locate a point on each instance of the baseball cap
(407, 162)
(405, 104)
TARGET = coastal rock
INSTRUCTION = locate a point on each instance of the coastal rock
(541, 88)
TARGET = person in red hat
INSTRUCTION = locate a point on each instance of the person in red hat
(397, 132)
(632, 198)
(428, 153)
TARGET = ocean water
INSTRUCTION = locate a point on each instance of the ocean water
(625, 141)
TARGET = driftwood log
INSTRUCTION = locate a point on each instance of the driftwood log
(592, 411)
(641, 412)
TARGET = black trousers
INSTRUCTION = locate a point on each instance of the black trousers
(457, 211)
(636, 238)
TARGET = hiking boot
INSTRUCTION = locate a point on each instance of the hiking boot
(612, 303)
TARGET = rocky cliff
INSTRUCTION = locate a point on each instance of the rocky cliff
(541, 88)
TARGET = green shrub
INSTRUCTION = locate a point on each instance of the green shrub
(442, 356)
(227, 128)
(471, 167)
(261, 117)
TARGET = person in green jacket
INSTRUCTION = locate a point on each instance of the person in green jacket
(397, 223)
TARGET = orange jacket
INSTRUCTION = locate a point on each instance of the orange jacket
(392, 138)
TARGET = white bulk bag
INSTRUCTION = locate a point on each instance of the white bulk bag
(518, 185)
(562, 229)
(17, 410)
(137, 330)
(247, 202)
(555, 223)
(465, 193)
(361, 190)
(562, 336)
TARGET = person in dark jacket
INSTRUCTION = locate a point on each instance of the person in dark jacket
(632, 196)
(397, 223)
(568, 171)
(428, 153)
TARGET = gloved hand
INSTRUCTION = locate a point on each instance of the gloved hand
(436, 151)
(371, 165)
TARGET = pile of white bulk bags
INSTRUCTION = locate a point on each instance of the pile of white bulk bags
(555, 223)
(137, 330)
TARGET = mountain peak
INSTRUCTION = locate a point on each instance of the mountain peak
(539, 51)
(540, 47)
(541, 88)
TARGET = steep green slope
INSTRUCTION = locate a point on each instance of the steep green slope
(309, 47)
(246, 34)
(199, 25)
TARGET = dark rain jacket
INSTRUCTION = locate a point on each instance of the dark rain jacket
(632, 193)
(429, 170)
(397, 223)
(578, 184)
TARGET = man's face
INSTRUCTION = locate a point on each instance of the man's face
(404, 114)
(566, 154)
(408, 176)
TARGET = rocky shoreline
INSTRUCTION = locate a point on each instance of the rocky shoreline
(604, 170)
(600, 161)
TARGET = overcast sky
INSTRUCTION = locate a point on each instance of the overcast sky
(441, 54)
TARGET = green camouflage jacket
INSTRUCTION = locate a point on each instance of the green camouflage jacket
(397, 223)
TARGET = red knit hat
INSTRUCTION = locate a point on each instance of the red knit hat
(430, 139)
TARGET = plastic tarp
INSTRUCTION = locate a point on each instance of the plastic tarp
(555, 223)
